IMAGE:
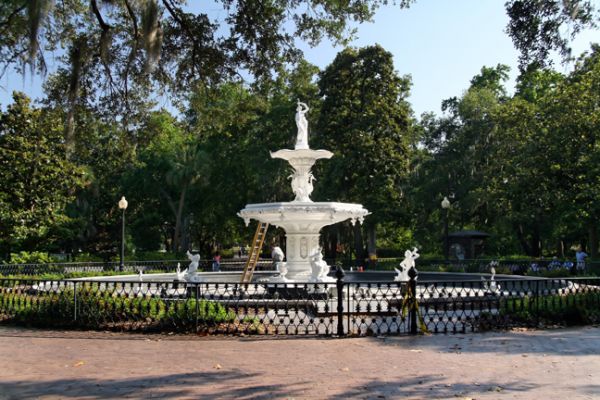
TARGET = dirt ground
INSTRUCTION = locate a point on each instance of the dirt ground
(549, 364)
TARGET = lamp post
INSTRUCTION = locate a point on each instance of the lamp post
(446, 207)
(122, 207)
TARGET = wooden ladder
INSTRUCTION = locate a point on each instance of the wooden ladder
(257, 243)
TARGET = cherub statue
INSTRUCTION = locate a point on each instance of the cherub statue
(277, 254)
(402, 274)
(195, 260)
(319, 267)
(302, 124)
(406, 265)
(409, 259)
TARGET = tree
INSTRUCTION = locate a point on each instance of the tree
(457, 158)
(38, 182)
(240, 125)
(537, 27)
(365, 121)
(122, 48)
(168, 169)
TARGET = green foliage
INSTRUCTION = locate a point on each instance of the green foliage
(570, 309)
(366, 121)
(83, 257)
(537, 27)
(38, 181)
(34, 257)
(98, 309)
(116, 51)
(170, 169)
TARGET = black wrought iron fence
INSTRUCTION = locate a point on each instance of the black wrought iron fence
(519, 267)
(338, 308)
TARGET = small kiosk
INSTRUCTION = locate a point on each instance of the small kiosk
(466, 244)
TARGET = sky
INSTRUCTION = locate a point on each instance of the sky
(441, 44)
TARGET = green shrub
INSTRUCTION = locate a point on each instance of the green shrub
(33, 257)
(91, 307)
(570, 309)
(87, 257)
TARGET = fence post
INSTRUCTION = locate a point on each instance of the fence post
(412, 291)
(339, 283)
(197, 307)
(74, 300)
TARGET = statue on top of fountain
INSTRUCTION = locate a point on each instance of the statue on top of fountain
(302, 124)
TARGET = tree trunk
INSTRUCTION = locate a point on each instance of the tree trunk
(522, 240)
(358, 245)
(185, 235)
(371, 239)
(561, 249)
(535, 242)
(177, 230)
(371, 245)
(593, 239)
(330, 242)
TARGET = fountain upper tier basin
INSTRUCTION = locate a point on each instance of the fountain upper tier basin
(303, 216)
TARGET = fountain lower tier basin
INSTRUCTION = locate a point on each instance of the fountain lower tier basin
(350, 277)
(302, 222)
(303, 216)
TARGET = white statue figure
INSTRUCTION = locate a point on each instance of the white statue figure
(140, 274)
(277, 254)
(281, 269)
(406, 265)
(302, 124)
(409, 259)
(491, 287)
(318, 266)
(180, 274)
(191, 272)
(402, 274)
(195, 260)
(302, 185)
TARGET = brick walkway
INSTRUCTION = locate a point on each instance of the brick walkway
(97, 365)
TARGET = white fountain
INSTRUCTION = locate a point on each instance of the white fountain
(302, 219)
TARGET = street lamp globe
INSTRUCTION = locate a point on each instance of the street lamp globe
(446, 207)
(123, 203)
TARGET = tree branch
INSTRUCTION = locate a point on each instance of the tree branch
(132, 53)
(105, 27)
(174, 11)
(5, 23)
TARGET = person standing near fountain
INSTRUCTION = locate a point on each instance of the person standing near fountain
(216, 264)
(302, 124)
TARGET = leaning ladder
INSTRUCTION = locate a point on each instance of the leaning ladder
(257, 243)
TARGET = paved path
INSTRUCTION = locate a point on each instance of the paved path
(552, 364)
